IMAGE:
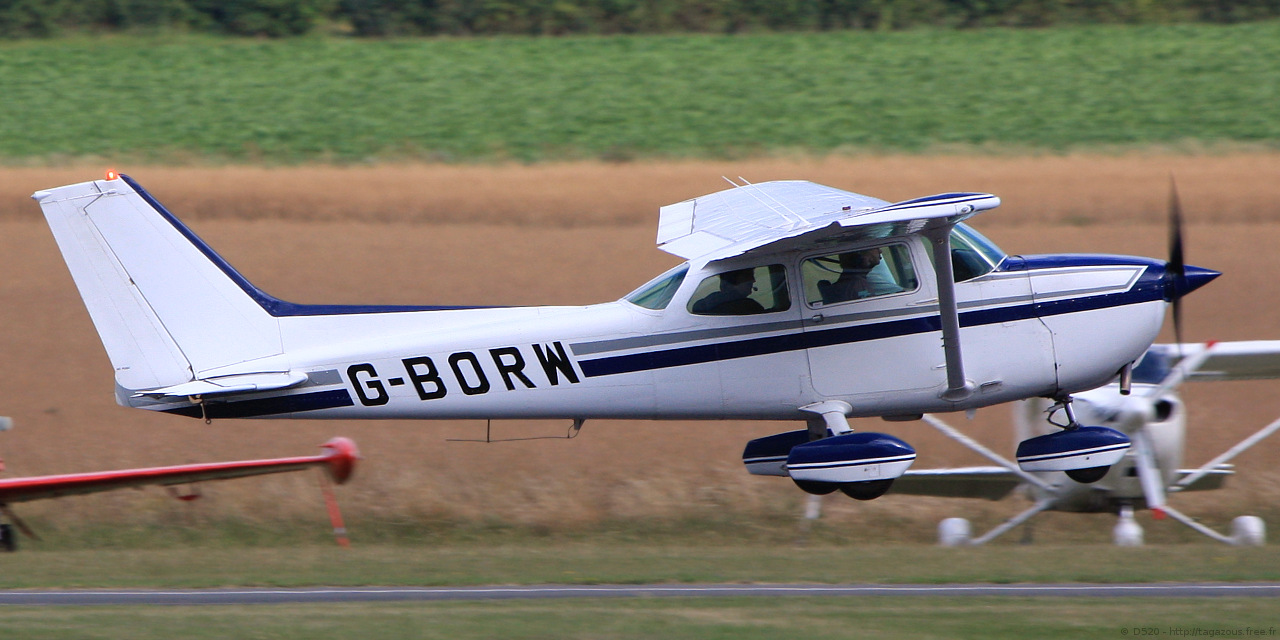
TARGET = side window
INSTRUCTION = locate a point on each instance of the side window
(742, 292)
(853, 275)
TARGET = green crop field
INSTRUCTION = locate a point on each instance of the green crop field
(192, 99)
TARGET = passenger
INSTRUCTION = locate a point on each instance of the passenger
(862, 274)
(733, 297)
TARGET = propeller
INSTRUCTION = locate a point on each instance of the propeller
(1149, 472)
(1176, 270)
(1179, 279)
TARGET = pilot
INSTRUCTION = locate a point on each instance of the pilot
(862, 274)
(732, 298)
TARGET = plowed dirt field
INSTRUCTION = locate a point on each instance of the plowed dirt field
(577, 234)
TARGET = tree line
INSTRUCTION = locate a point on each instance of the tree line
(389, 18)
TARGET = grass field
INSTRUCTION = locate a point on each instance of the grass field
(611, 560)
(692, 557)
(188, 99)
(675, 618)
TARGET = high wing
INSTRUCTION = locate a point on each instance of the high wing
(796, 212)
(995, 483)
(339, 459)
(789, 214)
(1243, 360)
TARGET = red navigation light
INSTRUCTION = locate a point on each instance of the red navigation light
(112, 175)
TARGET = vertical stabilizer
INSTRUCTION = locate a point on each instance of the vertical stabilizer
(167, 308)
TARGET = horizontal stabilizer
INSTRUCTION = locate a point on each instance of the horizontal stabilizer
(223, 385)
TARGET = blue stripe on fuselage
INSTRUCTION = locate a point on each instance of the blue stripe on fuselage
(1148, 288)
(271, 406)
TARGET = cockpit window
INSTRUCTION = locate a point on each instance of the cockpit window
(742, 292)
(972, 254)
(656, 294)
(853, 275)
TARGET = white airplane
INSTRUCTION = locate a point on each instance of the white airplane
(797, 302)
(1154, 417)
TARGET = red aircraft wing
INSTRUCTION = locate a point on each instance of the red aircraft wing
(339, 458)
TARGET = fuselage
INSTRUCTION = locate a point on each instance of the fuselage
(1030, 326)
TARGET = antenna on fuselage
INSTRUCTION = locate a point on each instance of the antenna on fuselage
(574, 429)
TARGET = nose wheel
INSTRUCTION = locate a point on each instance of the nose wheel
(1084, 453)
(1088, 476)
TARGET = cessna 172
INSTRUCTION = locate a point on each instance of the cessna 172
(1154, 417)
(797, 302)
(338, 462)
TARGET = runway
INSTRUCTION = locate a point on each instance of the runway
(329, 595)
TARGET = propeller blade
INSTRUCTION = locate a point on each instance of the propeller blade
(1175, 229)
(1176, 270)
(1149, 474)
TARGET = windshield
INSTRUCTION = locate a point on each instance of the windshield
(656, 294)
(965, 236)
(972, 254)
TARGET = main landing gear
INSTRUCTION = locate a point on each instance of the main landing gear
(1084, 453)
(862, 465)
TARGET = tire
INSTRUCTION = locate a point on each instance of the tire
(816, 488)
(1088, 476)
(866, 490)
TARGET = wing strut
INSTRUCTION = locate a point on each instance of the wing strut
(1240, 448)
(977, 447)
(958, 387)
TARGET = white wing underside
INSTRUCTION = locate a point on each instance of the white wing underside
(994, 483)
(1240, 360)
(796, 212)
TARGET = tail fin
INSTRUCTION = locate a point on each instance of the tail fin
(168, 309)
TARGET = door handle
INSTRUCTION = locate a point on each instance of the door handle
(817, 317)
